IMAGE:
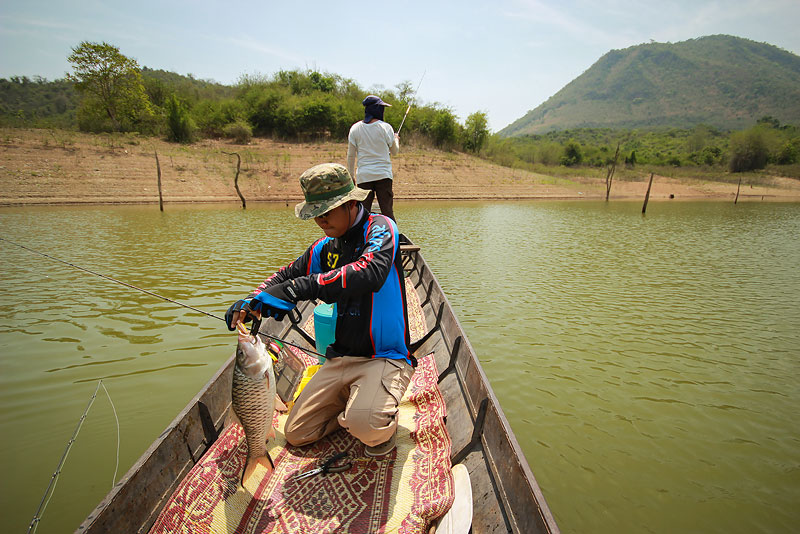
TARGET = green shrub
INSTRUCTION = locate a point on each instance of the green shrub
(788, 153)
(239, 131)
(211, 117)
(549, 153)
(711, 155)
(317, 116)
(180, 126)
(573, 154)
(262, 104)
(444, 129)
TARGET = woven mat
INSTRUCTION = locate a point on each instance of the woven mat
(402, 492)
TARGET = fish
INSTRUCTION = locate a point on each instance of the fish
(253, 399)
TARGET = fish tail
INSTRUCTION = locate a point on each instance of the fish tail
(253, 463)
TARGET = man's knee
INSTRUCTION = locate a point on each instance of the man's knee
(291, 431)
(298, 434)
(371, 427)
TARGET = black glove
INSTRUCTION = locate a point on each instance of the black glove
(275, 301)
(239, 305)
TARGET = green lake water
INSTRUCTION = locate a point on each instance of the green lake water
(649, 365)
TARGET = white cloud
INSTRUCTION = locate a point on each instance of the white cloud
(551, 16)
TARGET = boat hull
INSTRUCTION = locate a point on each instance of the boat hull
(506, 496)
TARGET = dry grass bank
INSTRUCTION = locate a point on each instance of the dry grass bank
(59, 167)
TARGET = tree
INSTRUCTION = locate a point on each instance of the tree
(573, 154)
(112, 85)
(475, 132)
(749, 150)
(788, 152)
(443, 129)
(405, 91)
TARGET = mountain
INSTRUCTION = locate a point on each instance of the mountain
(723, 81)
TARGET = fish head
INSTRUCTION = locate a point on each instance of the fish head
(251, 354)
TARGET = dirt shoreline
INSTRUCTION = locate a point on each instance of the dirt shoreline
(47, 167)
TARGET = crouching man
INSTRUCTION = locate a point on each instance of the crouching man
(357, 266)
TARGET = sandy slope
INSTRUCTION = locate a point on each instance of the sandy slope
(54, 167)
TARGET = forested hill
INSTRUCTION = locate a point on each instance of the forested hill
(41, 103)
(723, 81)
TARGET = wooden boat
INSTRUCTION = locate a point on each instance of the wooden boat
(506, 497)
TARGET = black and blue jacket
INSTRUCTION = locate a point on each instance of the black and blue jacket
(362, 273)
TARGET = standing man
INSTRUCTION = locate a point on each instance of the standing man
(357, 266)
(371, 142)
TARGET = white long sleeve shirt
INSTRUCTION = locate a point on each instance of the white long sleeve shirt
(371, 144)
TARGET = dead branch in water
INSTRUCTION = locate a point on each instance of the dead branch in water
(735, 200)
(236, 178)
(647, 195)
(158, 168)
(610, 173)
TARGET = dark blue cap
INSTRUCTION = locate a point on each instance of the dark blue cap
(373, 108)
(373, 100)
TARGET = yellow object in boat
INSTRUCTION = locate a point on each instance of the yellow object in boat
(307, 374)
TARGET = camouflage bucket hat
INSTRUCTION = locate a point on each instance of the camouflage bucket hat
(326, 186)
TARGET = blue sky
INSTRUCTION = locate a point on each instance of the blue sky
(503, 57)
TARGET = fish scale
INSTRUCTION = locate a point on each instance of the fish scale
(253, 394)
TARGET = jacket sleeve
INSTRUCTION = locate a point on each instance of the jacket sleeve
(300, 267)
(366, 274)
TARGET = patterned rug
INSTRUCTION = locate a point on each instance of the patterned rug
(400, 493)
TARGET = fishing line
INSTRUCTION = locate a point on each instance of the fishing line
(412, 101)
(51, 487)
(116, 467)
(112, 279)
(153, 294)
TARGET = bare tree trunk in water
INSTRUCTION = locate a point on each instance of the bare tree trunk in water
(236, 179)
(160, 196)
(647, 195)
(610, 173)
(735, 200)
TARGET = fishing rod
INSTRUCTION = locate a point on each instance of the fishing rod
(256, 322)
(411, 103)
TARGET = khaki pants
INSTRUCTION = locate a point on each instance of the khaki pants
(351, 392)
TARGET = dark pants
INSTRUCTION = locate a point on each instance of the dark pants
(383, 189)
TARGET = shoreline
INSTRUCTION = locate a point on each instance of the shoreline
(47, 168)
(22, 203)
